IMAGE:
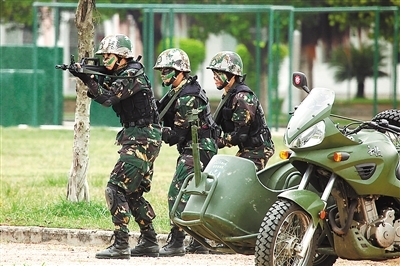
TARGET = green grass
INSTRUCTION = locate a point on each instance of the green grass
(35, 166)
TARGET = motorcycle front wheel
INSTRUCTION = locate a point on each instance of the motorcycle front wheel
(281, 231)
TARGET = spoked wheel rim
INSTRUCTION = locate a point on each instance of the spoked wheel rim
(290, 235)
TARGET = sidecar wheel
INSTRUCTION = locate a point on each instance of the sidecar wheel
(280, 233)
(324, 260)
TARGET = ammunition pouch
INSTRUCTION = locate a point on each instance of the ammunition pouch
(257, 140)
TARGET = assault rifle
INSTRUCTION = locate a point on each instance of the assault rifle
(95, 68)
(89, 65)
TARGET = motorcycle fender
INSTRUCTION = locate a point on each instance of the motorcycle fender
(308, 201)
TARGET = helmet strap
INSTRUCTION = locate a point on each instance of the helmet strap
(226, 78)
(118, 65)
(243, 78)
(226, 82)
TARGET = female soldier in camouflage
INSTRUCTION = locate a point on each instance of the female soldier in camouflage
(184, 96)
(128, 90)
(239, 113)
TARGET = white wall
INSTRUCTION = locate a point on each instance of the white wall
(9, 35)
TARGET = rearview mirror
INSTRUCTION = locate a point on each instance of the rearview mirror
(299, 80)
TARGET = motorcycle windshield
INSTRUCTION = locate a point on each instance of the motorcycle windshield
(314, 108)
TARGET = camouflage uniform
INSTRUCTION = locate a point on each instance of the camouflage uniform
(141, 143)
(128, 91)
(178, 105)
(177, 127)
(240, 114)
(180, 111)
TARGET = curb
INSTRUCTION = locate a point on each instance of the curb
(73, 237)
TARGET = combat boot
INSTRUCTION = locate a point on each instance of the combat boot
(118, 250)
(174, 246)
(147, 245)
(196, 248)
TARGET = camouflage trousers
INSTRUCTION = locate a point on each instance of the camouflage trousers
(130, 182)
(185, 167)
(259, 156)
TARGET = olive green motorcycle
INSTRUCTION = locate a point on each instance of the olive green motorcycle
(353, 163)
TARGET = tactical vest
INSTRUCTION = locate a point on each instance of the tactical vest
(140, 108)
(224, 116)
(191, 88)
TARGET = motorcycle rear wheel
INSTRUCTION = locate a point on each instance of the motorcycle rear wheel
(281, 231)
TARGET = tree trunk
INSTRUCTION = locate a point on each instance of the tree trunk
(360, 89)
(78, 188)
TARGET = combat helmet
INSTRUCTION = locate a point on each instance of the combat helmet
(227, 61)
(118, 44)
(173, 58)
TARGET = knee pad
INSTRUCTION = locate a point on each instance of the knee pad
(111, 199)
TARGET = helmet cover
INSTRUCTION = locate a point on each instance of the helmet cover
(173, 58)
(227, 61)
(118, 44)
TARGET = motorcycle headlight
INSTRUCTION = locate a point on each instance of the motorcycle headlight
(311, 137)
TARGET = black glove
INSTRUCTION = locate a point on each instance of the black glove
(73, 69)
(166, 132)
(93, 86)
(84, 77)
(180, 147)
(220, 143)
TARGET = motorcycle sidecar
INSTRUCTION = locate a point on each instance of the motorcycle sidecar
(229, 200)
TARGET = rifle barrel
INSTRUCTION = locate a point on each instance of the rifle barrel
(63, 67)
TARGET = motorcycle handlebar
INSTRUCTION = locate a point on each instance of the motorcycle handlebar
(394, 129)
(381, 125)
